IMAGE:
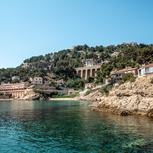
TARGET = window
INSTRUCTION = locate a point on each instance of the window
(147, 69)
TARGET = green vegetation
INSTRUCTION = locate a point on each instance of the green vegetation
(40, 91)
(61, 64)
(129, 55)
(75, 84)
(129, 77)
(105, 89)
(104, 72)
(88, 92)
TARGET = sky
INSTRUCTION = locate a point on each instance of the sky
(36, 27)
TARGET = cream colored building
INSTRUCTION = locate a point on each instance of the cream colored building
(89, 70)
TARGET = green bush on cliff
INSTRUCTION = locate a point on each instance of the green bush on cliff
(75, 83)
(105, 89)
(129, 77)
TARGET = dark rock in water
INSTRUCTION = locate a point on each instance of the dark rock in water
(36, 97)
(150, 113)
(125, 113)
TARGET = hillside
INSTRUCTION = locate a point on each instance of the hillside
(61, 64)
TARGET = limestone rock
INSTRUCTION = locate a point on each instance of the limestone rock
(128, 98)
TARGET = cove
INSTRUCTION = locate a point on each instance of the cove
(70, 127)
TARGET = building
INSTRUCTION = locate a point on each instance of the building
(36, 80)
(89, 70)
(118, 75)
(13, 86)
(145, 70)
(15, 78)
(86, 72)
(90, 62)
(15, 90)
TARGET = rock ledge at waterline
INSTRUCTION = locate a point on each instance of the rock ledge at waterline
(126, 99)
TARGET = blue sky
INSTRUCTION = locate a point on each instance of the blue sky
(34, 27)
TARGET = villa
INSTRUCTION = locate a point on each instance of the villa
(145, 70)
(118, 75)
(142, 71)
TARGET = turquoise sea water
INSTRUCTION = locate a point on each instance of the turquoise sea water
(70, 127)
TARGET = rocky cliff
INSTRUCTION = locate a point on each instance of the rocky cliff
(128, 98)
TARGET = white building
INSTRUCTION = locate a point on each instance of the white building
(90, 62)
(15, 78)
(37, 80)
(145, 70)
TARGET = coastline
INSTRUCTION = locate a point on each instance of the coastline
(129, 98)
(64, 99)
(6, 100)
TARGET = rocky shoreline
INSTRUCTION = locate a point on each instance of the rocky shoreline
(131, 98)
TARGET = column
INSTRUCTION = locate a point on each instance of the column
(90, 72)
(95, 72)
(81, 73)
(86, 74)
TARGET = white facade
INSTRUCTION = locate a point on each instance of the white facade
(37, 81)
(15, 78)
(89, 62)
(145, 71)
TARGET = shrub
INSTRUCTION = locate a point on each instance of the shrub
(88, 92)
(90, 80)
(75, 84)
(129, 77)
(105, 89)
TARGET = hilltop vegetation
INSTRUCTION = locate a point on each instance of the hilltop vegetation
(61, 64)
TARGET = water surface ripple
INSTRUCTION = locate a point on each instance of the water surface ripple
(70, 127)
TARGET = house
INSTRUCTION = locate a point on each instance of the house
(36, 80)
(145, 70)
(90, 62)
(118, 75)
(15, 78)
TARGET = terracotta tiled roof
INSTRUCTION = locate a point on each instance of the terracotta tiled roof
(124, 70)
(149, 65)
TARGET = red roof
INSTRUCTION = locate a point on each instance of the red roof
(149, 65)
(124, 70)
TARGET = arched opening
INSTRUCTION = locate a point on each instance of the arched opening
(84, 74)
(79, 73)
(98, 69)
(93, 72)
(88, 73)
